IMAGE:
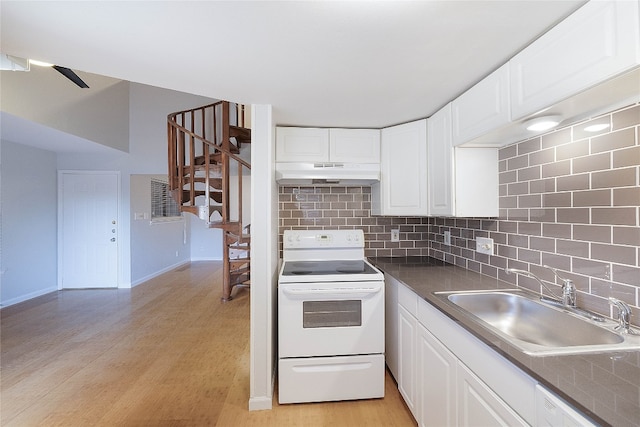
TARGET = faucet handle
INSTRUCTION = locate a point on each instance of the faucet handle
(624, 315)
(555, 272)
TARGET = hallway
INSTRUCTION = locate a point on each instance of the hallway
(166, 353)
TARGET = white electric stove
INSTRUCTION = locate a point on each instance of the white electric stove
(330, 318)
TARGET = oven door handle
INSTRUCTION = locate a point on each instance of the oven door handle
(339, 292)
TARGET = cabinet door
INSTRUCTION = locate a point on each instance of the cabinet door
(597, 42)
(476, 182)
(483, 108)
(479, 406)
(440, 170)
(436, 382)
(391, 324)
(403, 180)
(354, 145)
(302, 144)
(407, 353)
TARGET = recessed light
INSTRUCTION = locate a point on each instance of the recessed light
(597, 128)
(542, 123)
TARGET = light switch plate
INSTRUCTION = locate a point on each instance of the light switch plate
(484, 245)
(447, 238)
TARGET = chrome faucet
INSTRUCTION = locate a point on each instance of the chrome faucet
(624, 316)
(568, 298)
(568, 289)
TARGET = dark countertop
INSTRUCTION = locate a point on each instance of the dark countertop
(603, 386)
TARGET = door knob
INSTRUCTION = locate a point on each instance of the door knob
(113, 239)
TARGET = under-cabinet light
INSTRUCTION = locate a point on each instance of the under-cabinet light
(597, 128)
(542, 123)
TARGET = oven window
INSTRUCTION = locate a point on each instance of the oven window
(331, 314)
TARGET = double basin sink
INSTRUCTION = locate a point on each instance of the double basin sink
(538, 328)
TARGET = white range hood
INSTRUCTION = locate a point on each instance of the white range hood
(327, 173)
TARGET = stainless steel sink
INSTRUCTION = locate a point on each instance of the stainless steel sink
(537, 328)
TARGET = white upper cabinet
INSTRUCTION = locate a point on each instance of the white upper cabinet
(302, 144)
(327, 145)
(402, 189)
(440, 160)
(476, 182)
(482, 108)
(597, 42)
(463, 181)
(354, 145)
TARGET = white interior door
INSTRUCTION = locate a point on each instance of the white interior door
(89, 230)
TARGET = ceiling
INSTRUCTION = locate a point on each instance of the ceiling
(318, 63)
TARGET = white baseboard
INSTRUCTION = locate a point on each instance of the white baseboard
(264, 403)
(28, 296)
(159, 272)
(194, 259)
(261, 403)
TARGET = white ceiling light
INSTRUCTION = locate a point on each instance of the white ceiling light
(40, 63)
(542, 123)
(597, 127)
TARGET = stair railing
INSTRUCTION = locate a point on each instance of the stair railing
(197, 135)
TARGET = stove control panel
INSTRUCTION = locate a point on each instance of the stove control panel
(309, 239)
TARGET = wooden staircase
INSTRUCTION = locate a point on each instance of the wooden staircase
(204, 164)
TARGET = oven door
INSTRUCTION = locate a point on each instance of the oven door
(330, 319)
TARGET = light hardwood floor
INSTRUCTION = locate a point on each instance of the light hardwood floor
(165, 353)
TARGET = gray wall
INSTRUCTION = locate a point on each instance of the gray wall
(28, 192)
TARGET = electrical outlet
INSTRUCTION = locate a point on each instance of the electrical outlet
(395, 235)
(447, 238)
(484, 245)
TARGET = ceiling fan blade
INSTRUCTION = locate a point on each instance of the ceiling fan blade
(71, 76)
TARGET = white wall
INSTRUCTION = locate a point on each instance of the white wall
(206, 243)
(160, 246)
(28, 193)
(148, 110)
(264, 259)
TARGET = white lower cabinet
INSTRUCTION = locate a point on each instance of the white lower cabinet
(479, 406)
(448, 377)
(554, 412)
(407, 356)
(437, 381)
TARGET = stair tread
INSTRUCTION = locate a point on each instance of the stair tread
(215, 195)
(240, 248)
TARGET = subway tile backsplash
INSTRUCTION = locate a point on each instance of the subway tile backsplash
(568, 199)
